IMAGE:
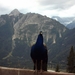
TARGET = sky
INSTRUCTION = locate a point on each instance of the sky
(61, 8)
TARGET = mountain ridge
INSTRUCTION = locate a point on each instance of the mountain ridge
(71, 25)
(67, 21)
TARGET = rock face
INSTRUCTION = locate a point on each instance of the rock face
(15, 12)
(31, 24)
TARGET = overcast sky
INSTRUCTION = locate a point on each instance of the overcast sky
(62, 8)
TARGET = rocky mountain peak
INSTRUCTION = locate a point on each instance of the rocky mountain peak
(15, 12)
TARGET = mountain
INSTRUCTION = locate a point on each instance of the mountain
(19, 33)
(61, 20)
(15, 12)
(71, 25)
(64, 20)
(31, 24)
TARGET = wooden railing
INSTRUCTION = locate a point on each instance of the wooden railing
(17, 71)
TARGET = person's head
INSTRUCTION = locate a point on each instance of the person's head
(40, 39)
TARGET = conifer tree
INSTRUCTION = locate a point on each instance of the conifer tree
(71, 61)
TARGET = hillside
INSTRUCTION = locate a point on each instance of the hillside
(18, 32)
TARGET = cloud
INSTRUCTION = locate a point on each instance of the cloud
(68, 12)
(4, 10)
(44, 7)
(57, 2)
(62, 8)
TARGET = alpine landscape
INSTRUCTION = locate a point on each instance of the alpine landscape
(18, 32)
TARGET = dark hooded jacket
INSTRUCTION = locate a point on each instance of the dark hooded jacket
(39, 50)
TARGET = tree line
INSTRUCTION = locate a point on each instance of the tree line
(70, 62)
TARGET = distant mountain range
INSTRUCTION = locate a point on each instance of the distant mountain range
(69, 22)
(18, 32)
(71, 25)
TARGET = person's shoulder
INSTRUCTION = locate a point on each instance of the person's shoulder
(32, 47)
(45, 46)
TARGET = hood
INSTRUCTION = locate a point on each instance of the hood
(39, 41)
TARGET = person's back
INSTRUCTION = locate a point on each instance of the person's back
(39, 54)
